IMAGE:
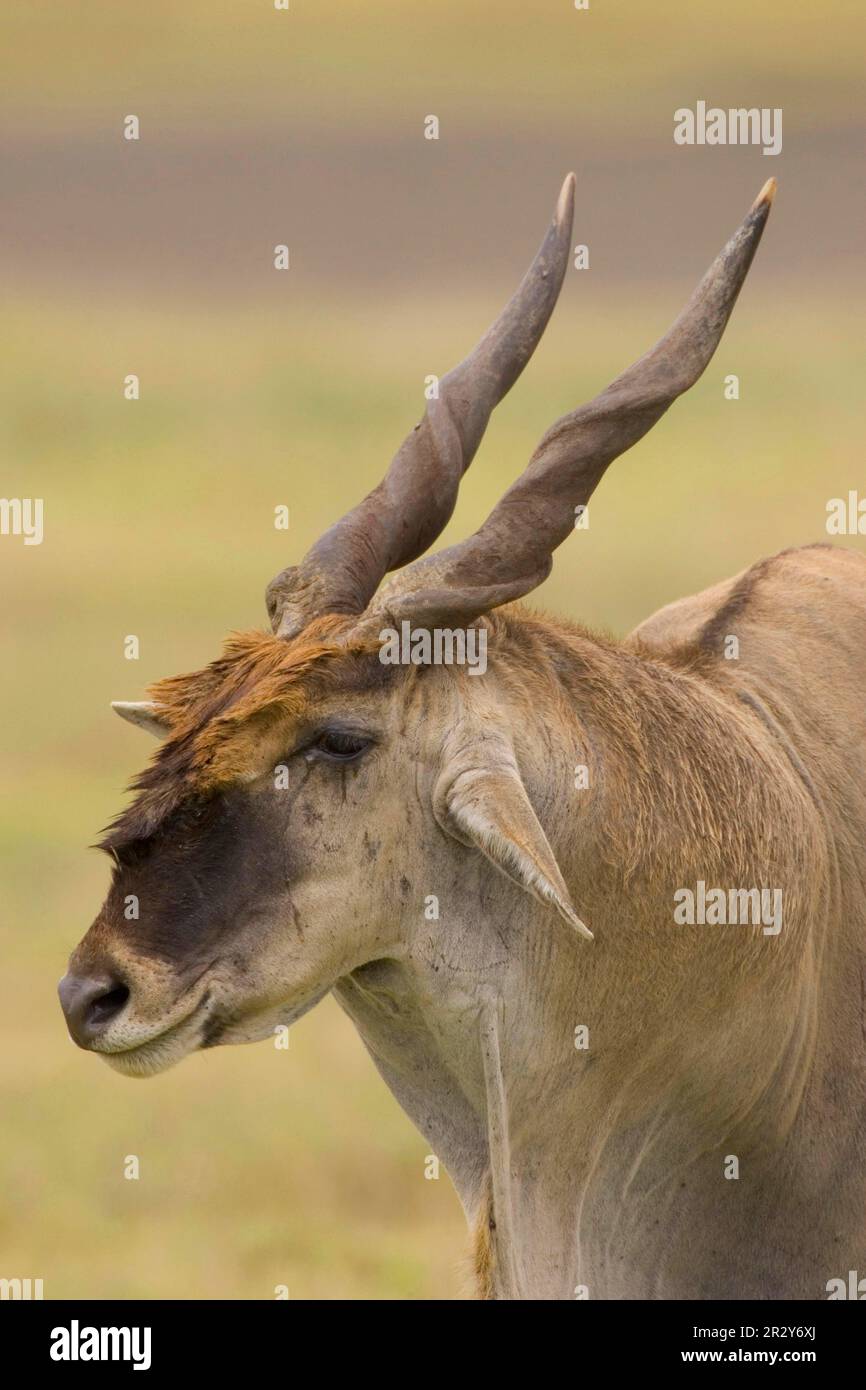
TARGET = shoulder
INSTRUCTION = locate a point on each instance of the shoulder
(814, 585)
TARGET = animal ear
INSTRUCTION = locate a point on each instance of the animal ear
(481, 801)
(144, 713)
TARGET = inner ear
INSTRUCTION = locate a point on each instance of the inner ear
(480, 800)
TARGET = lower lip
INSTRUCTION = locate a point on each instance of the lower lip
(141, 1049)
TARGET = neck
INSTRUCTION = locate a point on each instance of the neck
(594, 1102)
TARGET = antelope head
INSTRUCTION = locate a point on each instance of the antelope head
(307, 798)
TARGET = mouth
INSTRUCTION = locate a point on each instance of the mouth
(158, 1053)
(205, 1027)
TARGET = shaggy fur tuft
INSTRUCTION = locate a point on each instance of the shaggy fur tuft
(213, 713)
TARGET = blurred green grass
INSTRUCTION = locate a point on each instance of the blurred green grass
(369, 61)
(262, 1167)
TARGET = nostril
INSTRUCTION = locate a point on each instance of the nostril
(104, 1007)
(90, 1003)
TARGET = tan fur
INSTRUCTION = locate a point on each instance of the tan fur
(482, 1248)
(705, 1041)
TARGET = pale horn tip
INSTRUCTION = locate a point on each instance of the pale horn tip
(565, 204)
(766, 195)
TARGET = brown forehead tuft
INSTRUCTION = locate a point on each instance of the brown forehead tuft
(210, 712)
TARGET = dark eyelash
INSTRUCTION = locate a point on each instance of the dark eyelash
(339, 745)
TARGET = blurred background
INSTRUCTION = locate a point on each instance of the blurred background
(260, 388)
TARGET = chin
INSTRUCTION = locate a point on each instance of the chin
(149, 1059)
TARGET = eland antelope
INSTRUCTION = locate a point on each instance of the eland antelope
(630, 1105)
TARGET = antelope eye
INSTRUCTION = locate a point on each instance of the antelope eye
(339, 746)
